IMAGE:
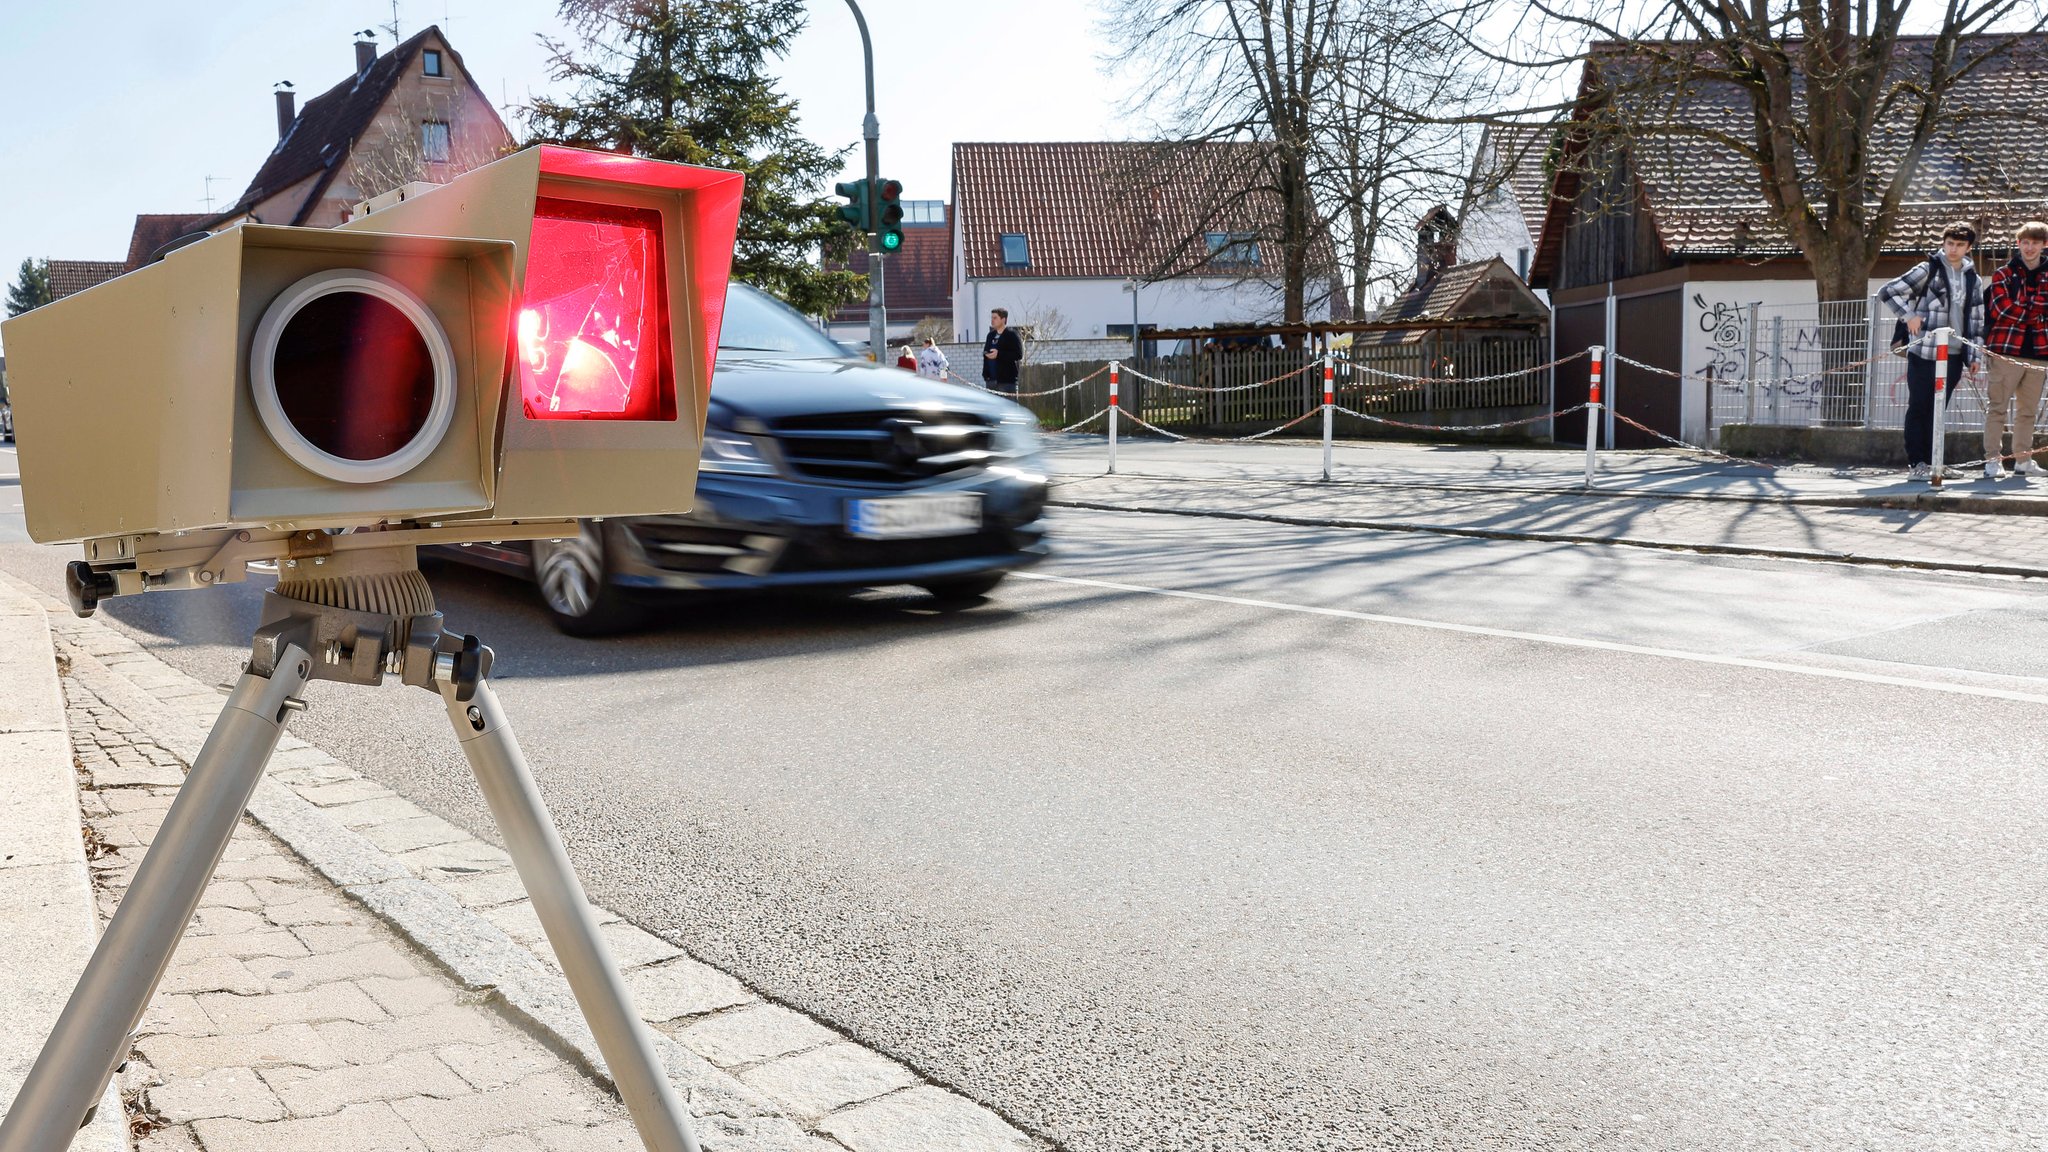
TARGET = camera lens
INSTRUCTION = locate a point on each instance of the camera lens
(354, 376)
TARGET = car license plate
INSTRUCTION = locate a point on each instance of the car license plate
(914, 517)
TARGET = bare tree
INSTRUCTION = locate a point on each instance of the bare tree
(1242, 70)
(1389, 141)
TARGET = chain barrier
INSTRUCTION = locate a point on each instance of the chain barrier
(1067, 387)
(1369, 370)
(1461, 427)
(1086, 420)
(1137, 375)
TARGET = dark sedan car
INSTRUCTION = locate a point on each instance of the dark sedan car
(818, 471)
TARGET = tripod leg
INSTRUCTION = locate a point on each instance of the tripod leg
(91, 1035)
(536, 851)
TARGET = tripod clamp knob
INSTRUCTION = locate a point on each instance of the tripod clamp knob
(85, 588)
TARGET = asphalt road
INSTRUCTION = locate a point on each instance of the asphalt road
(1707, 854)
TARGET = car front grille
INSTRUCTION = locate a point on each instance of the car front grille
(888, 447)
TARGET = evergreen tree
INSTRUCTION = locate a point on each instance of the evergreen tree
(685, 80)
(31, 289)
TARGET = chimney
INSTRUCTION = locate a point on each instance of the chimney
(287, 109)
(366, 55)
(1436, 243)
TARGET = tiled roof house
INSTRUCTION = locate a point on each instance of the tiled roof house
(1062, 231)
(1656, 243)
(1509, 194)
(69, 276)
(411, 114)
(154, 230)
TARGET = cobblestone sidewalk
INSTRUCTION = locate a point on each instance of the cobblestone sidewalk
(363, 975)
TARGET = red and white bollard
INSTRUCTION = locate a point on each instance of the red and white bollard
(1329, 409)
(1114, 404)
(1941, 336)
(1593, 407)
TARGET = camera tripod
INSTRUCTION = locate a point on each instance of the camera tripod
(352, 617)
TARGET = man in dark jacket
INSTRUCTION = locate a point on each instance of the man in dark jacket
(2017, 306)
(1000, 353)
(1943, 292)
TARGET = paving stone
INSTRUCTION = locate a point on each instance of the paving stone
(210, 974)
(752, 1034)
(811, 1084)
(311, 1092)
(632, 946)
(176, 1138)
(451, 1025)
(683, 988)
(518, 920)
(313, 908)
(512, 1143)
(410, 997)
(375, 958)
(226, 921)
(616, 1136)
(136, 772)
(338, 1001)
(924, 1118)
(130, 829)
(235, 1092)
(277, 943)
(459, 1124)
(486, 1066)
(269, 867)
(386, 809)
(485, 890)
(229, 894)
(344, 792)
(413, 833)
(322, 771)
(178, 1015)
(123, 800)
(360, 1128)
(284, 1044)
(326, 938)
(461, 858)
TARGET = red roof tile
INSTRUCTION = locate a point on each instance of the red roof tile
(153, 231)
(1103, 210)
(917, 279)
(69, 276)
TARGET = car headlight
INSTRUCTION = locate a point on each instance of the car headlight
(726, 451)
(1017, 436)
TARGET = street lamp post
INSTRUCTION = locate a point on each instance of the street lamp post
(871, 131)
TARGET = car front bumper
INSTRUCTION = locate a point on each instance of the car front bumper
(751, 532)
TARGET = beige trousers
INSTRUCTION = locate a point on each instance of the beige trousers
(2012, 379)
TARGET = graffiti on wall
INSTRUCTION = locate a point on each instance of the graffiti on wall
(1780, 376)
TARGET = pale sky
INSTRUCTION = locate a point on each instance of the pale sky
(126, 107)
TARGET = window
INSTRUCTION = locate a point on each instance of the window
(924, 211)
(430, 63)
(434, 141)
(1233, 249)
(1016, 250)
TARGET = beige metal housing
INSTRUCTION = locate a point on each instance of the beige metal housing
(134, 411)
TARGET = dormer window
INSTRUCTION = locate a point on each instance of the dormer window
(430, 63)
(1016, 250)
(1233, 249)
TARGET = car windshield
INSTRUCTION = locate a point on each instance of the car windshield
(758, 322)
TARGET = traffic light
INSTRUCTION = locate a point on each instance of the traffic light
(856, 210)
(889, 213)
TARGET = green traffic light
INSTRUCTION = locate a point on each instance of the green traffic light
(891, 241)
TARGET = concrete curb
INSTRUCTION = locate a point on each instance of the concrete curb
(1808, 554)
(48, 920)
(480, 953)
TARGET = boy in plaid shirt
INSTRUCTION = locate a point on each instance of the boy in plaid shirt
(2018, 308)
(1943, 292)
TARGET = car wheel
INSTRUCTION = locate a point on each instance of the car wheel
(574, 575)
(965, 587)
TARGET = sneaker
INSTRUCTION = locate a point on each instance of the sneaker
(2030, 468)
(1992, 471)
(1920, 472)
(1948, 473)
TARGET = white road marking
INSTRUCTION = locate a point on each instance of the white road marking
(1544, 638)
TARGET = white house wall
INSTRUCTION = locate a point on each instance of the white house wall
(1090, 306)
(1716, 342)
(1495, 227)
